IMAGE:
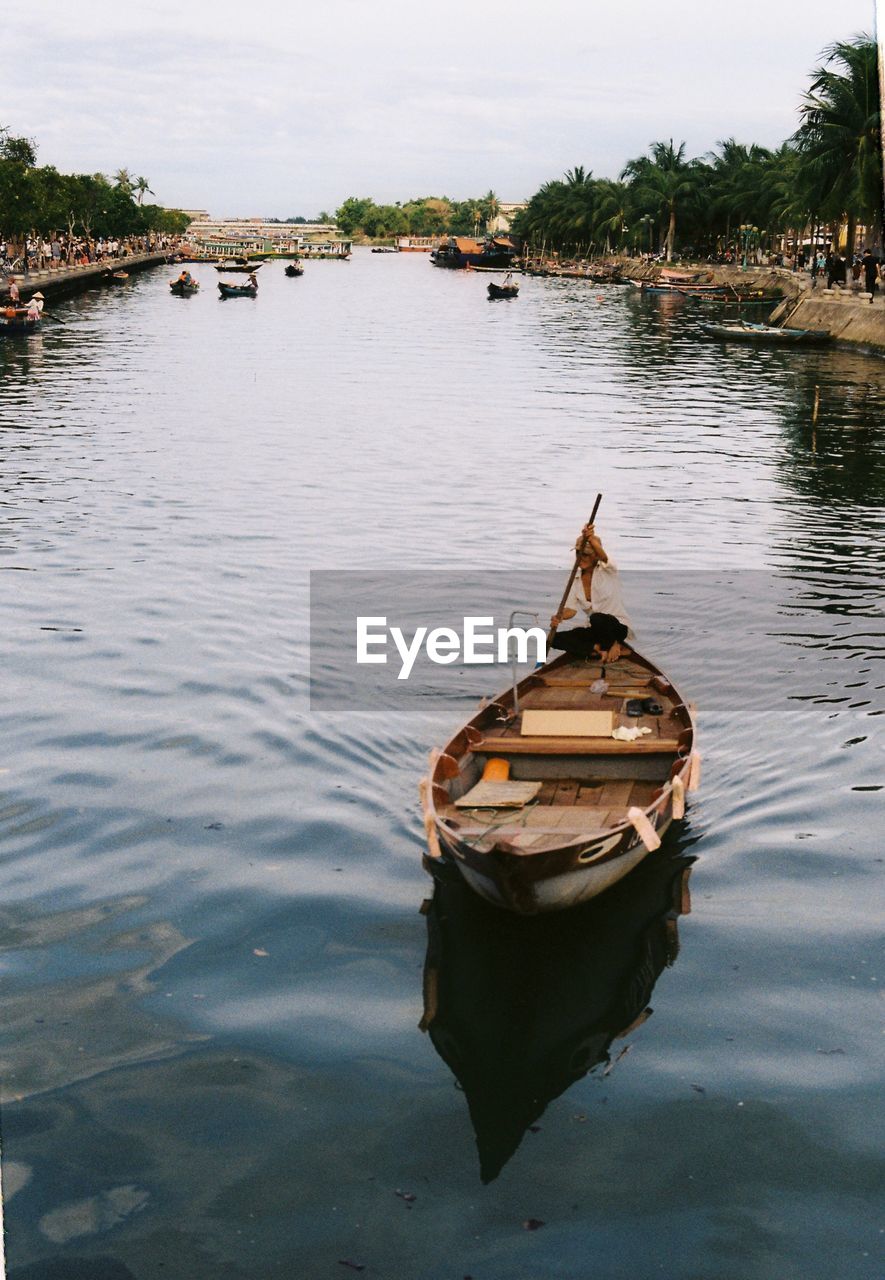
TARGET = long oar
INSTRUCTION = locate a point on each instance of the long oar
(48, 315)
(578, 553)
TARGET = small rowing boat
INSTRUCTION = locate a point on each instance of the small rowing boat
(244, 268)
(184, 288)
(746, 331)
(17, 320)
(237, 290)
(506, 290)
(541, 799)
(294, 269)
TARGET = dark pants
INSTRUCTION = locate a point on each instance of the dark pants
(603, 630)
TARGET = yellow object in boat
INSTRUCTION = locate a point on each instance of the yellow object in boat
(496, 770)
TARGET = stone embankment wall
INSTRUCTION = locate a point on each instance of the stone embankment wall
(847, 315)
(74, 279)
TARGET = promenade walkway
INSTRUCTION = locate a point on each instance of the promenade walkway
(69, 279)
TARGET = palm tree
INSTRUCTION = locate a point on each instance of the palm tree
(839, 138)
(665, 180)
(123, 180)
(491, 207)
(140, 189)
(612, 209)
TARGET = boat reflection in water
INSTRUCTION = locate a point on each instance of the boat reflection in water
(521, 1008)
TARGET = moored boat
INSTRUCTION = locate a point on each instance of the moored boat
(462, 251)
(244, 268)
(747, 331)
(536, 802)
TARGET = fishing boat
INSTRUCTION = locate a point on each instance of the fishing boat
(462, 251)
(184, 288)
(294, 269)
(542, 800)
(520, 1010)
(747, 331)
(15, 320)
(509, 289)
(673, 286)
(244, 268)
(237, 290)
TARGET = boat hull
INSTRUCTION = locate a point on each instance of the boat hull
(517, 859)
(768, 334)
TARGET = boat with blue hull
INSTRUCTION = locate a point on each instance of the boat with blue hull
(459, 252)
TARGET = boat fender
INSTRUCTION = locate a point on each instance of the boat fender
(677, 786)
(644, 829)
(433, 848)
(694, 773)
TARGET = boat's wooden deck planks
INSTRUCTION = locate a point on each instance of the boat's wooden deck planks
(561, 806)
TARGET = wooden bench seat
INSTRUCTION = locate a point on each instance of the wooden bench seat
(510, 746)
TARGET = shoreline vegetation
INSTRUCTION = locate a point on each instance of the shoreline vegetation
(822, 185)
(38, 203)
(737, 203)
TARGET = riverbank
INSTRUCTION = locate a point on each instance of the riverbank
(847, 315)
(58, 280)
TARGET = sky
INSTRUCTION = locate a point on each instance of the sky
(281, 109)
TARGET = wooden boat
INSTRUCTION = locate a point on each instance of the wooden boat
(237, 290)
(564, 810)
(747, 331)
(184, 288)
(504, 290)
(244, 268)
(120, 275)
(294, 269)
(520, 1010)
(15, 320)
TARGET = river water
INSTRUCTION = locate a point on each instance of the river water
(212, 955)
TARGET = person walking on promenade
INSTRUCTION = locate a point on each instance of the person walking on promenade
(870, 274)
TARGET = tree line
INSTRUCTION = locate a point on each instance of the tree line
(38, 200)
(422, 216)
(828, 174)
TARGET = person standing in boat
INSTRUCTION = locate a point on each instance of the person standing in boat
(597, 603)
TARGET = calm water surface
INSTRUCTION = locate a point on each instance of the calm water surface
(213, 962)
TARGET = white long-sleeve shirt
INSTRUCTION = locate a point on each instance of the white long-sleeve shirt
(606, 597)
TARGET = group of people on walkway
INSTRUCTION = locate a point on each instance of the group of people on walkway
(834, 265)
(58, 251)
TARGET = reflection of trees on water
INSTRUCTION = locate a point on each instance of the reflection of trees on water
(520, 1009)
(840, 458)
